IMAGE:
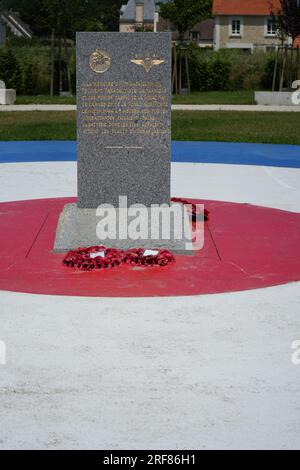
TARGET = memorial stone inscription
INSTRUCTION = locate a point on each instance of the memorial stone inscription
(123, 118)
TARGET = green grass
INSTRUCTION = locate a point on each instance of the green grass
(38, 125)
(46, 99)
(201, 97)
(235, 126)
(266, 127)
(216, 97)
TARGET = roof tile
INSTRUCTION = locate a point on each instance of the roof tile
(245, 7)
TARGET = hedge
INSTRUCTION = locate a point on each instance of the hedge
(229, 69)
(27, 68)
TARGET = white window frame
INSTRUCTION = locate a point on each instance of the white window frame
(267, 34)
(231, 33)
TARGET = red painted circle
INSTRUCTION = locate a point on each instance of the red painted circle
(246, 247)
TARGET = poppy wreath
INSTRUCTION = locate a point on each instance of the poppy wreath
(99, 257)
(136, 256)
(94, 257)
(195, 212)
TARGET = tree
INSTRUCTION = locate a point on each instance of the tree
(78, 15)
(288, 18)
(184, 14)
(104, 12)
(63, 18)
(31, 12)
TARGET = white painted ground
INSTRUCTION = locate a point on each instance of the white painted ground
(201, 372)
(268, 186)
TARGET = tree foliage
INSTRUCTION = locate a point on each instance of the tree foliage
(184, 14)
(288, 17)
(70, 15)
(10, 69)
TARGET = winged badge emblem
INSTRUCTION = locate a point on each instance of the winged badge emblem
(147, 62)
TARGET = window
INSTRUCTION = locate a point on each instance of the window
(194, 36)
(271, 27)
(236, 27)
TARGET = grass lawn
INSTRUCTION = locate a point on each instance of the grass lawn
(45, 99)
(216, 97)
(201, 97)
(38, 125)
(276, 128)
(235, 126)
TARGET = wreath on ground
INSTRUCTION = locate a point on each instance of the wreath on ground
(192, 208)
(100, 257)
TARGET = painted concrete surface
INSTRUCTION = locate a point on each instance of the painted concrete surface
(181, 151)
(201, 372)
(276, 98)
(268, 186)
(175, 107)
(236, 107)
(38, 107)
(234, 153)
(37, 151)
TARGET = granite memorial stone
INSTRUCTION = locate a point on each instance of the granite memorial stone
(123, 133)
(123, 117)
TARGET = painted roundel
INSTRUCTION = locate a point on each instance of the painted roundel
(242, 250)
(100, 61)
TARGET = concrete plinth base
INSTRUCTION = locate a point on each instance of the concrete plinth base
(7, 96)
(275, 98)
(78, 228)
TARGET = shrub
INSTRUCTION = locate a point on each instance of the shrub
(229, 69)
(208, 70)
(247, 69)
(267, 76)
(198, 71)
(10, 71)
(30, 86)
(218, 72)
(27, 67)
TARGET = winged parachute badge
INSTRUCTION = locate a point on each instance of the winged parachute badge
(147, 62)
(100, 61)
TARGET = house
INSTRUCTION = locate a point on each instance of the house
(202, 33)
(139, 15)
(245, 24)
(12, 20)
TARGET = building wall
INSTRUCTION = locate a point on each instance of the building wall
(253, 32)
(126, 28)
(139, 13)
(131, 27)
